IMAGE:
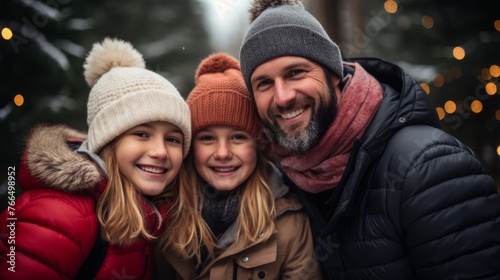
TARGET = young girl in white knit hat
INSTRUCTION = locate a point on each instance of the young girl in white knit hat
(118, 181)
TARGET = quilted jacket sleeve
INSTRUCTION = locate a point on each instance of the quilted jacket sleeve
(50, 237)
(450, 209)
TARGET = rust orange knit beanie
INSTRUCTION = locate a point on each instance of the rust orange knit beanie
(220, 97)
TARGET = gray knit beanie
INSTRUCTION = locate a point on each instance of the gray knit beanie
(284, 28)
(124, 94)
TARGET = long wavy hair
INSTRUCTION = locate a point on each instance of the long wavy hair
(189, 232)
(119, 209)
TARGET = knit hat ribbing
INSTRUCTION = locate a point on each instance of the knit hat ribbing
(220, 97)
(124, 94)
(284, 28)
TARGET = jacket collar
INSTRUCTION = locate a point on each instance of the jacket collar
(50, 162)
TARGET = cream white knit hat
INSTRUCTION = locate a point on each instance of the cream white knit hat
(124, 94)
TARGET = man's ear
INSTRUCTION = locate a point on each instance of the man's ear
(339, 84)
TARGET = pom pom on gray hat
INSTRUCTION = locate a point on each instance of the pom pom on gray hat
(124, 94)
(284, 28)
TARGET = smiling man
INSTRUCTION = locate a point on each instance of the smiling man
(389, 194)
(295, 120)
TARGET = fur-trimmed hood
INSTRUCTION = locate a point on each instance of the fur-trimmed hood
(50, 162)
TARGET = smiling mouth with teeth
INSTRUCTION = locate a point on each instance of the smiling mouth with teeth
(292, 114)
(152, 170)
(224, 169)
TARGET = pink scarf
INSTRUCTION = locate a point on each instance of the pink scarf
(322, 167)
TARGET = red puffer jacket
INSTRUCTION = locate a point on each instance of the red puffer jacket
(52, 227)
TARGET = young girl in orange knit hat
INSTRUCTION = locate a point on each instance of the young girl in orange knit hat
(235, 218)
(117, 181)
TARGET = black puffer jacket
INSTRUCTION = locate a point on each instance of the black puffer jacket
(414, 202)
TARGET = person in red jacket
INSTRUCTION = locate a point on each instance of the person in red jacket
(117, 181)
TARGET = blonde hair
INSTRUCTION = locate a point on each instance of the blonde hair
(189, 232)
(119, 208)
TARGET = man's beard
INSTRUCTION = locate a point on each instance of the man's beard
(300, 142)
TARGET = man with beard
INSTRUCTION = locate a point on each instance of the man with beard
(389, 195)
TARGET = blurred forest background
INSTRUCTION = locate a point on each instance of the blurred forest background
(451, 47)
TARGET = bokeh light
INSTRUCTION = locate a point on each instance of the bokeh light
(485, 74)
(425, 87)
(497, 24)
(440, 112)
(391, 6)
(497, 115)
(490, 88)
(450, 107)
(7, 33)
(476, 106)
(458, 53)
(495, 71)
(427, 22)
(19, 100)
(438, 80)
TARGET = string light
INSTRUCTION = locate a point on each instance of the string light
(458, 53)
(486, 74)
(497, 115)
(425, 87)
(497, 24)
(19, 100)
(427, 22)
(491, 88)
(391, 6)
(7, 33)
(495, 71)
(450, 107)
(476, 106)
(440, 112)
(438, 80)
